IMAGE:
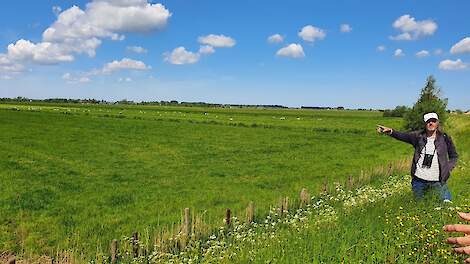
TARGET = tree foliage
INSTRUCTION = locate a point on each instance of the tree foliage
(429, 101)
(399, 111)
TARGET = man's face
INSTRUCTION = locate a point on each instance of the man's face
(432, 124)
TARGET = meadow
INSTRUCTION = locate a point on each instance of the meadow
(379, 222)
(74, 177)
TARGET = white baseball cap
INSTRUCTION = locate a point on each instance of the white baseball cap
(428, 116)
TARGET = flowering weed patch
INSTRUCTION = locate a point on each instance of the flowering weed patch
(380, 224)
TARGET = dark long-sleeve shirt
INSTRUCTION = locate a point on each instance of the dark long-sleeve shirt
(445, 149)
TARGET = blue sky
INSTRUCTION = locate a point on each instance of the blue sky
(372, 54)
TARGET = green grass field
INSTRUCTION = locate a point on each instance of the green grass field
(76, 176)
(377, 223)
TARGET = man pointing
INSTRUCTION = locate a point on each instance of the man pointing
(434, 156)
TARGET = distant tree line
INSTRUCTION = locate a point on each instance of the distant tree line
(323, 107)
(53, 100)
(429, 101)
(130, 102)
(399, 111)
(204, 104)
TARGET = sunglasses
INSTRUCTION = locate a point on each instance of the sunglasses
(432, 120)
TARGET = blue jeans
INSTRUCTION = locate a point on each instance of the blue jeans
(420, 187)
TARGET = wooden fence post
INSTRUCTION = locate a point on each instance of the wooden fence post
(325, 187)
(187, 222)
(186, 228)
(304, 197)
(285, 205)
(135, 244)
(228, 220)
(114, 246)
(250, 213)
(350, 181)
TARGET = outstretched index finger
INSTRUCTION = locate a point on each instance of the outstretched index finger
(457, 228)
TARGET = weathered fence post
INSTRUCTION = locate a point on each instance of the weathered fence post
(186, 222)
(135, 244)
(250, 213)
(114, 246)
(228, 220)
(350, 181)
(304, 197)
(325, 187)
(285, 205)
(186, 228)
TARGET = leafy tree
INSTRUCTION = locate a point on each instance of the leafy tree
(429, 101)
(399, 111)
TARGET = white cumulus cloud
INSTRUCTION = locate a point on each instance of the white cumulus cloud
(137, 49)
(40, 53)
(217, 41)
(180, 56)
(107, 19)
(310, 33)
(292, 50)
(128, 16)
(206, 49)
(450, 65)
(125, 64)
(398, 53)
(75, 79)
(7, 66)
(381, 48)
(345, 28)
(77, 31)
(462, 46)
(412, 29)
(276, 38)
(108, 68)
(422, 53)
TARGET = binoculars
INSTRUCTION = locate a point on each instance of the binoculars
(427, 161)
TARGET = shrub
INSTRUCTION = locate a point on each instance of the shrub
(429, 101)
(399, 111)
